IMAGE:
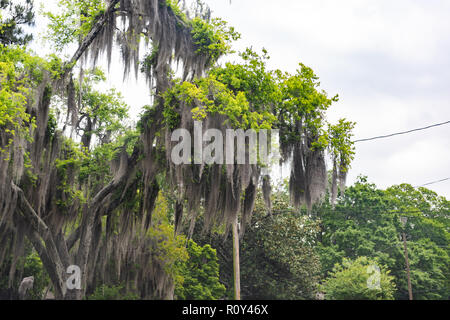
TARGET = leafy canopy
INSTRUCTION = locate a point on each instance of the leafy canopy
(352, 280)
(200, 274)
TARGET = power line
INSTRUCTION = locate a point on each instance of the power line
(403, 132)
(434, 182)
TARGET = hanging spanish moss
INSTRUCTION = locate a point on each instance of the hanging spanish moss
(104, 224)
(160, 25)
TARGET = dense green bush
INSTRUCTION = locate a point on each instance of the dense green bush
(359, 280)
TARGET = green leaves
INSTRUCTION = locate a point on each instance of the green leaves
(351, 280)
(252, 78)
(169, 249)
(33, 266)
(74, 21)
(340, 144)
(102, 113)
(213, 38)
(209, 96)
(68, 166)
(365, 222)
(201, 275)
(302, 103)
(19, 73)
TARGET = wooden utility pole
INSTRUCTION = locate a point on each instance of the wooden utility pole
(407, 266)
(236, 271)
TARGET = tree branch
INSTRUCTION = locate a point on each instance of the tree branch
(72, 239)
(39, 230)
(90, 37)
(92, 211)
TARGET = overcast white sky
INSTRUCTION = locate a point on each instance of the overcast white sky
(389, 61)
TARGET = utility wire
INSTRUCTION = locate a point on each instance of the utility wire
(434, 182)
(404, 132)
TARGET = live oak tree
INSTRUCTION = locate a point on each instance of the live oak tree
(46, 178)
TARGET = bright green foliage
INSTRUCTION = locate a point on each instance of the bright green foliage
(73, 22)
(68, 166)
(302, 102)
(245, 93)
(102, 114)
(209, 96)
(357, 280)
(251, 96)
(366, 222)
(173, 5)
(14, 15)
(251, 78)
(96, 165)
(224, 91)
(201, 275)
(213, 38)
(32, 266)
(169, 249)
(13, 97)
(171, 116)
(19, 71)
(340, 144)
